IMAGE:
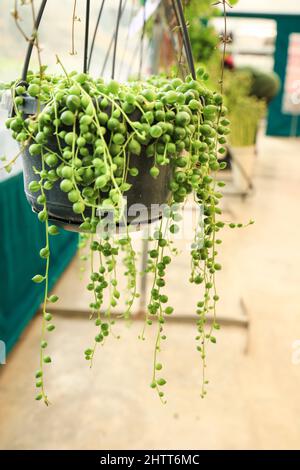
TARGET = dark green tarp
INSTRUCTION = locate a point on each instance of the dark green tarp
(279, 123)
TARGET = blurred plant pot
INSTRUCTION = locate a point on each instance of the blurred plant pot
(143, 199)
(242, 164)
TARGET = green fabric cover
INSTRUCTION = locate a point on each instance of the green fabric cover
(21, 238)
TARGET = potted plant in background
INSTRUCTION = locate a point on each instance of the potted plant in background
(258, 89)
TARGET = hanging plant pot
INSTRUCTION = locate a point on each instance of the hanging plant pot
(87, 145)
(143, 200)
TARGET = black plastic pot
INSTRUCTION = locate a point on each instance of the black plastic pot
(145, 190)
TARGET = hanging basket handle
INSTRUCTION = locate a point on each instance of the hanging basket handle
(31, 43)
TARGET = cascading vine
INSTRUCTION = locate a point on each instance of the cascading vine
(85, 138)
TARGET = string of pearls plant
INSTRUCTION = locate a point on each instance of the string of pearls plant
(84, 136)
(181, 124)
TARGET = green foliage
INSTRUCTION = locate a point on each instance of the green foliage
(244, 109)
(85, 134)
(244, 119)
(203, 36)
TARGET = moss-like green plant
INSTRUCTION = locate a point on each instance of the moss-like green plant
(244, 120)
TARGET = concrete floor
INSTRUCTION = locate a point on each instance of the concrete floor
(253, 400)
